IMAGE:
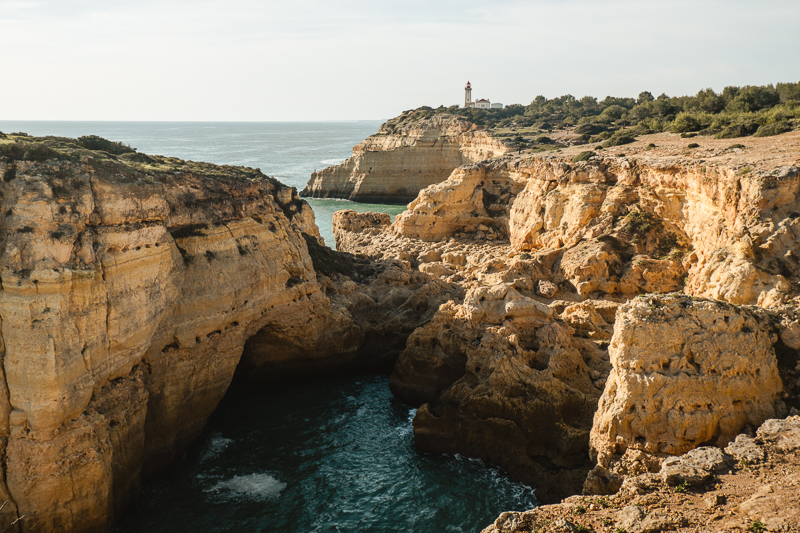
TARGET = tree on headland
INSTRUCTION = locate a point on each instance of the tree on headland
(734, 111)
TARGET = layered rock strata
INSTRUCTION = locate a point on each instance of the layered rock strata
(567, 244)
(407, 154)
(133, 287)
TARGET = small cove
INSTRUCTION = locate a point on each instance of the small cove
(322, 454)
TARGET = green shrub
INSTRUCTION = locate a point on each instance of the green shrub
(685, 122)
(777, 128)
(693, 145)
(738, 130)
(94, 142)
(543, 140)
(27, 151)
(583, 156)
(683, 486)
(590, 129)
(757, 527)
(735, 146)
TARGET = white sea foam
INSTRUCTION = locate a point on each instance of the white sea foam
(215, 447)
(408, 427)
(251, 486)
(333, 161)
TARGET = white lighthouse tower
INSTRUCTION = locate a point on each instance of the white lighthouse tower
(468, 95)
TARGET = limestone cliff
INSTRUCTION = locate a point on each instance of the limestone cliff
(132, 289)
(548, 249)
(407, 154)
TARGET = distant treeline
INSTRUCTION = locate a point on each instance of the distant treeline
(735, 112)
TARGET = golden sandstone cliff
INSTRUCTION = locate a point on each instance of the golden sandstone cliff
(406, 155)
(132, 289)
(560, 347)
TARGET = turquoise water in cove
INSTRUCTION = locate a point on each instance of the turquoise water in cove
(332, 454)
(324, 455)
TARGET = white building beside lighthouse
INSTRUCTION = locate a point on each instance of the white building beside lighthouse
(482, 103)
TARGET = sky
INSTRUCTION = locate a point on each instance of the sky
(305, 60)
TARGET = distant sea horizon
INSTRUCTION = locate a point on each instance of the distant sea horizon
(287, 151)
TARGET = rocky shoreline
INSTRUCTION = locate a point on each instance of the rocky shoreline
(578, 323)
(626, 308)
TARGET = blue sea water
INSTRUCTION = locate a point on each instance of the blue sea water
(333, 454)
(288, 151)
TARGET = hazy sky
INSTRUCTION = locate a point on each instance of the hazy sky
(358, 59)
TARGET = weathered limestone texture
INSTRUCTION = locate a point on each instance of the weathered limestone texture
(407, 154)
(687, 373)
(706, 489)
(542, 245)
(129, 287)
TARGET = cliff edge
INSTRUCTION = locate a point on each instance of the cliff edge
(407, 154)
(133, 288)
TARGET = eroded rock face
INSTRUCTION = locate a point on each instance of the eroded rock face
(130, 285)
(600, 233)
(687, 372)
(704, 489)
(405, 156)
(497, 378)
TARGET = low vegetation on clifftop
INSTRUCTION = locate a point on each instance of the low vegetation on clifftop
(735, 112)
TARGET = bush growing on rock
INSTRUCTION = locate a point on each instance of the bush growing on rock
(94, 142)
(738, 130)
(583, 156)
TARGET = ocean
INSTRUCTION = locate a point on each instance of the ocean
(332, 454)
(288, 151)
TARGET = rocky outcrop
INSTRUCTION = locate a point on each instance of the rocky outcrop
(629, 226)
(407, 154)
(133, 287)
(687, 373)
(568, 244)
(130, 285)
(749, 486)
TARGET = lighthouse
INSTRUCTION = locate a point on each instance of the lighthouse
(468, 95)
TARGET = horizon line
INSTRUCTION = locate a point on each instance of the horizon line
(197, 121)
